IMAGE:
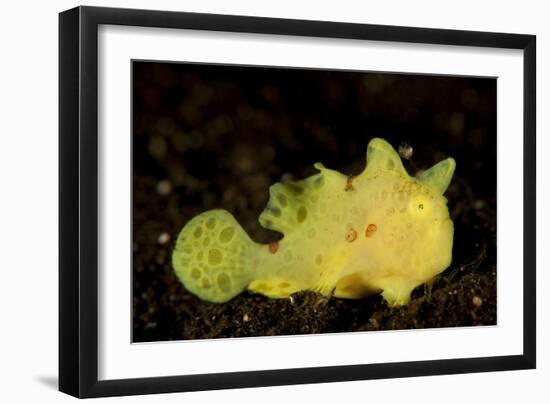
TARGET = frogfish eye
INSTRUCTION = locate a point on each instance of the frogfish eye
(420, 206)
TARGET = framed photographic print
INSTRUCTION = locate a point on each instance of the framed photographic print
(251, 201)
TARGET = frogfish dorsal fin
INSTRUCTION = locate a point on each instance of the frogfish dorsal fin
(292, 203)
(381, 156)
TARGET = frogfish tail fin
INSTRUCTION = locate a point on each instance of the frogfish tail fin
(212, 256)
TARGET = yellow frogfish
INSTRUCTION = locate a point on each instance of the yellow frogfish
(381, 231)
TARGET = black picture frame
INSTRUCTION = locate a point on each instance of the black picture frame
(78, 200)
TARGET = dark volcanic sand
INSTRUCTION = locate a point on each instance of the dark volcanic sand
(218, 137)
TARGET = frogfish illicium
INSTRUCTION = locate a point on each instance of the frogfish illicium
(381, 231)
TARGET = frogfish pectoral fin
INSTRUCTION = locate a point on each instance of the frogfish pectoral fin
(396, 291)
(354, 286)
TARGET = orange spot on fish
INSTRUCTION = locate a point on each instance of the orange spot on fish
(273, 247)
(351, 235)
(371, 229)
(349, 184)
